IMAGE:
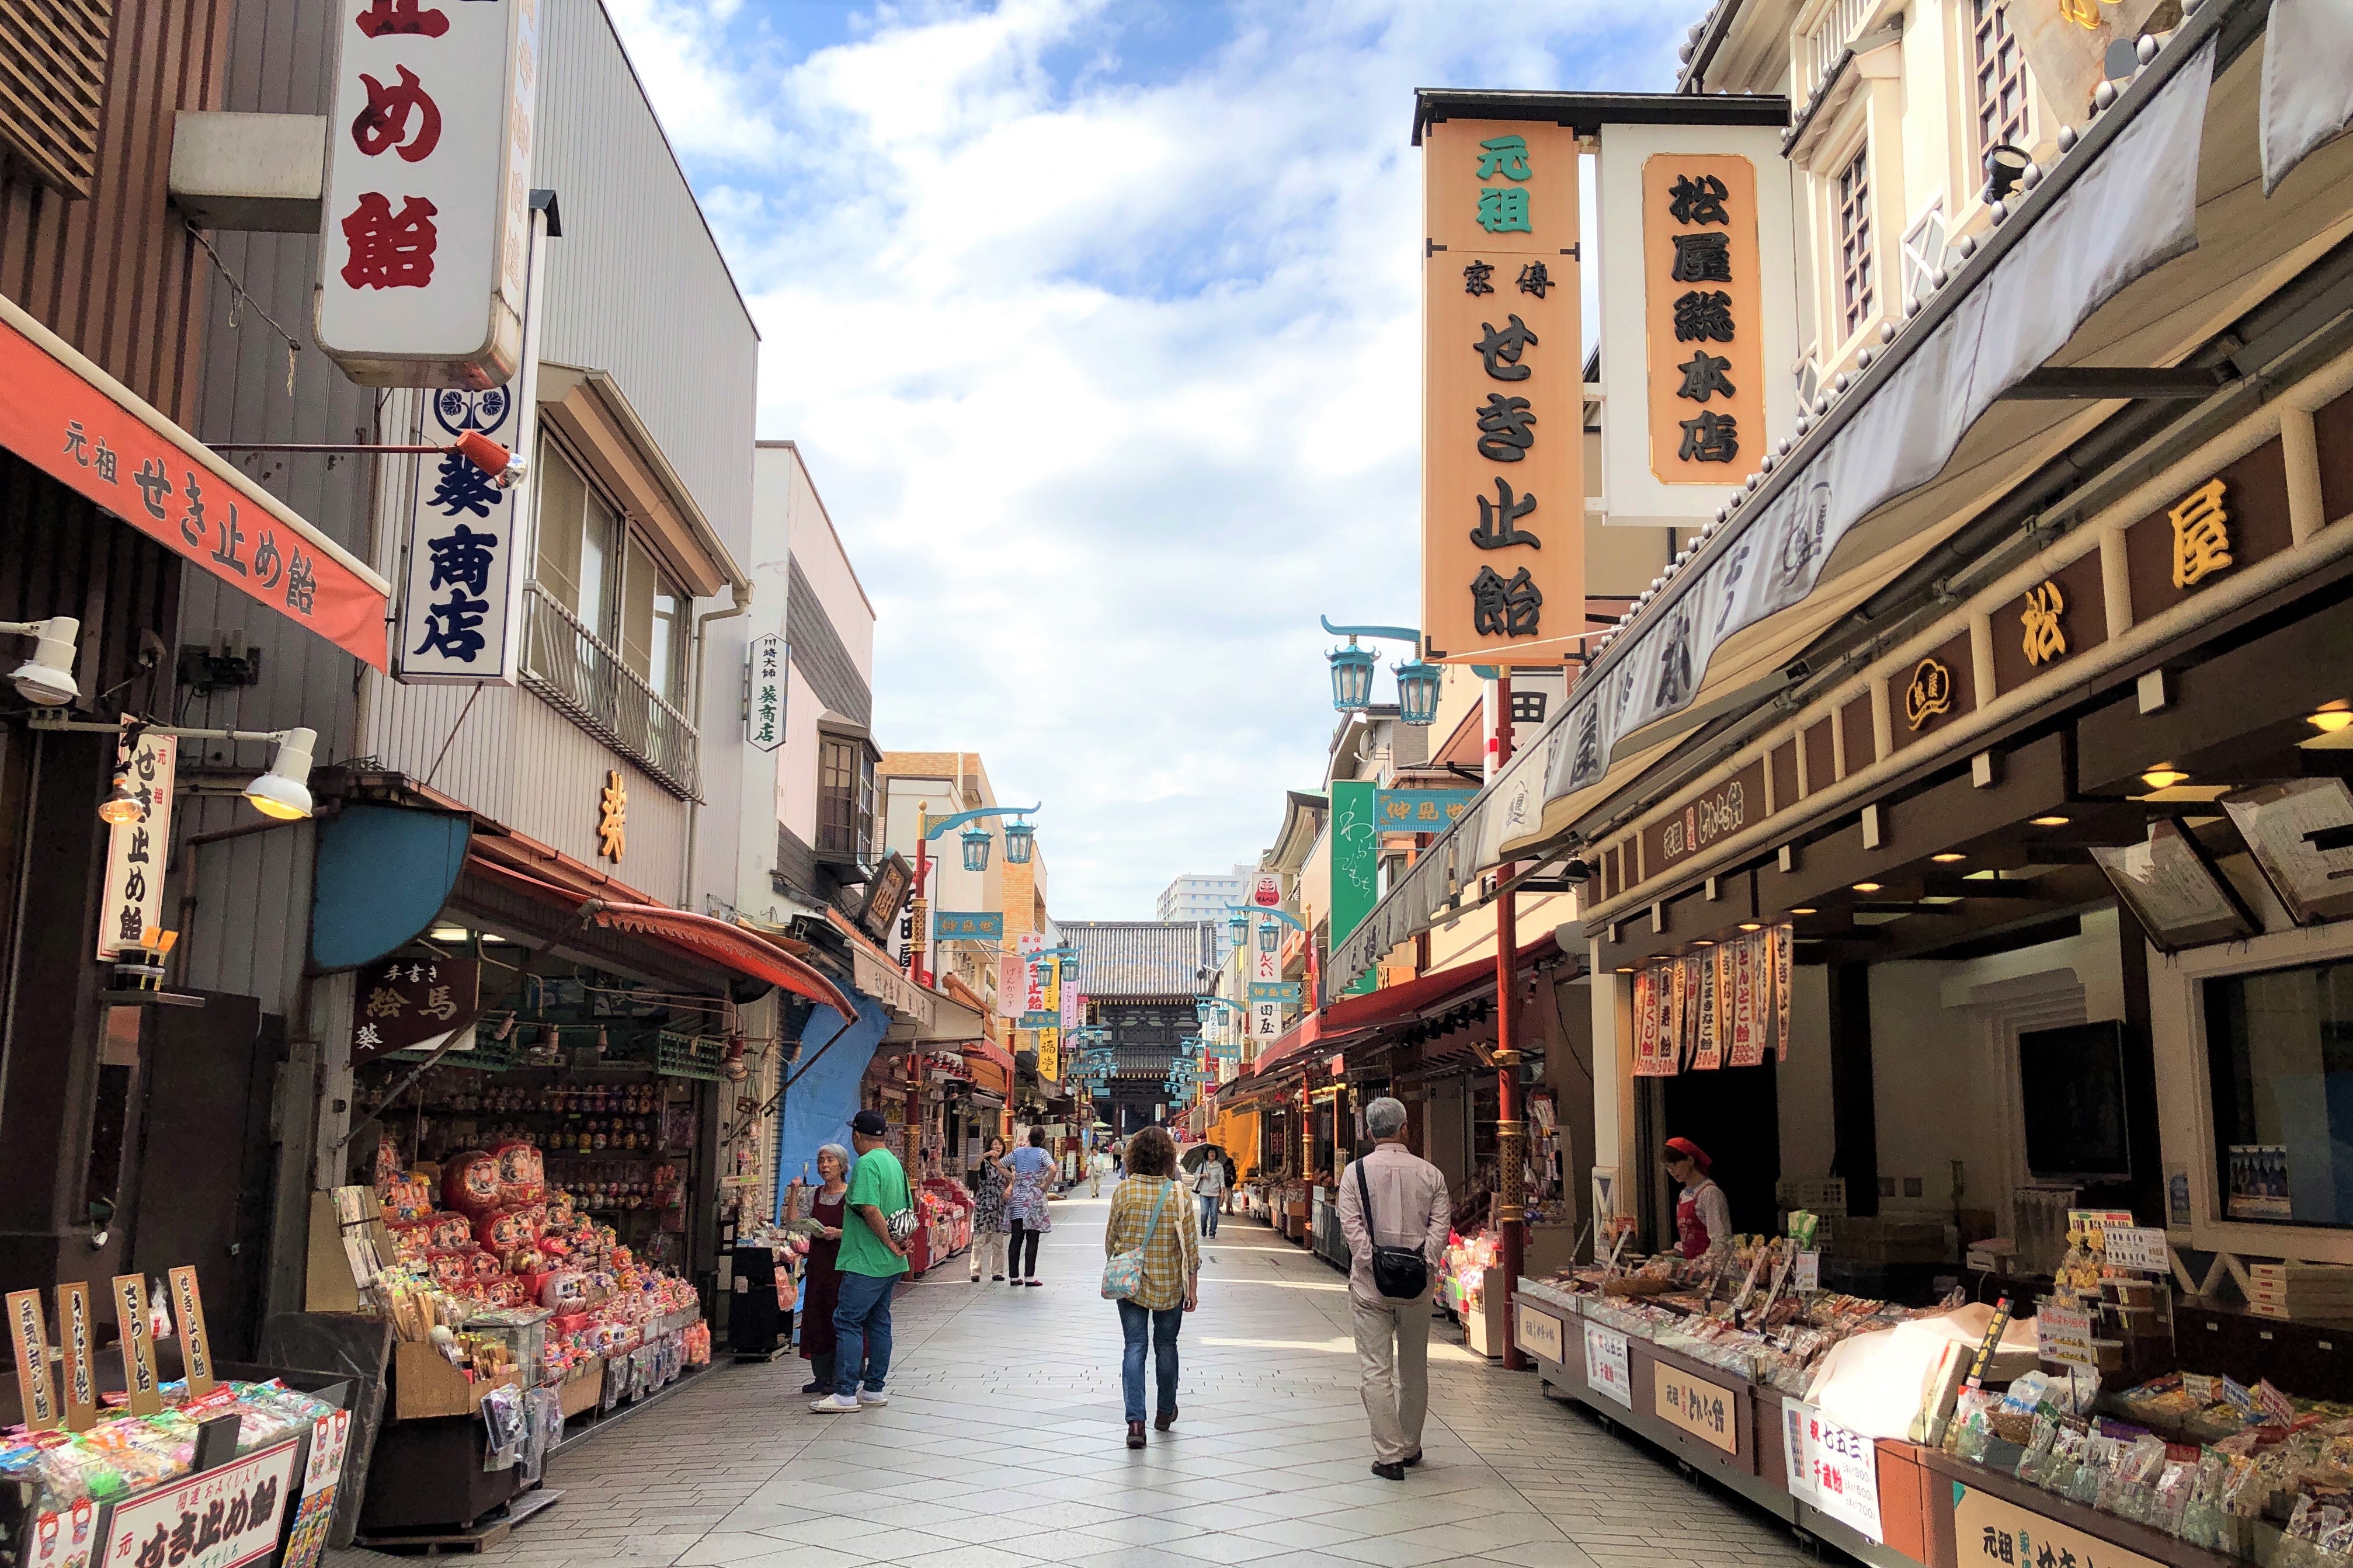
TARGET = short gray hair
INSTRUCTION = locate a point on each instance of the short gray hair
(848, 1161)
(1385, 1118)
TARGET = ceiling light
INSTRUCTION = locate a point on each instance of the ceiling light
(2048, 821)
(121, 806)
(1866, 887)
(1752, 925)
(1625, 969)
(1802, 911)
(46, 678)
(1702, 942)
(2329, 720)
(447, 933)
(1948, 857)
(284, 791)
(2165, 775)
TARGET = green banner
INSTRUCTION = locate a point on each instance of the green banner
(1355, 862)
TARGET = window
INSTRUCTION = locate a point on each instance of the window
(2000, 77)
(2280, 1057)
(653, 626)
(580, 544)
(845, 798)
(1854, 239)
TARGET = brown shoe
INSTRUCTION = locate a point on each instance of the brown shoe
(1165, 1420)
(1135, 1434)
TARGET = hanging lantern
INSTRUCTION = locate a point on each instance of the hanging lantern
(1238, 924)
(975, 847)
(1202, 1009)
(1269, 937)
(1019, 839)
(1352, 678)
(1417, 692)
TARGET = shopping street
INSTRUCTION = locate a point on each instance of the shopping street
(1001, 1448)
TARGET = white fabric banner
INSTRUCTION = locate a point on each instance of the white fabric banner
(2307, 82)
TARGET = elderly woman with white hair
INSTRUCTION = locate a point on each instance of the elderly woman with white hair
(1395, 1213)
(821, 1283)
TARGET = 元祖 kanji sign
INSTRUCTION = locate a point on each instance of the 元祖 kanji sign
(426, 238)
(136, 850)
(461, 604)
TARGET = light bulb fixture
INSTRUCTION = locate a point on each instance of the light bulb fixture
(976, 841)
(2005, 168)
(121, 806)
(284, 791)
(2047, 821)
(1019, 839)
(1867, 887)
(2329, 720)
(1948, 857)
(46, 678)
(2163, 776)
(1807, 910)
(1752, 925)
(1702, 942)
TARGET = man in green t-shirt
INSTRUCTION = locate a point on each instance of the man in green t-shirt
(870, 1262)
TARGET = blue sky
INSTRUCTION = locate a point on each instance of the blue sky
(1098, 324)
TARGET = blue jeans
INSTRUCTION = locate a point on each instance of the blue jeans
(1164, 1324)
(861, 1331)
(1209, 1214)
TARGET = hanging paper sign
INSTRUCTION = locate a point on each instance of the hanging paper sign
(1012, 985)
(81, 1365)
(137, 1345)
(1707, 1054)
(31, 1340)
(1266, 1020)
(764, 686)
(461, 597)
(1784, 945)
(1654, 1054)
(226, 1516)
(195, 1343)
(136, 850)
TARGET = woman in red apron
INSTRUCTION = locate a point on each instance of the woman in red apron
(1703, 1215)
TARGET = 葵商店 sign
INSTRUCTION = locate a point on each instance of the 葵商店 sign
(425, 248)
(763, 692)
(461, 604)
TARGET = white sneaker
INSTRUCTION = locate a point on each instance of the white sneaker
(866, 1396)
(834, 1405)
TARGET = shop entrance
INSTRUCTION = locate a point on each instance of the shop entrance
(1731, 1114)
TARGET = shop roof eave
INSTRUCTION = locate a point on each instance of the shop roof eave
(1590, 111)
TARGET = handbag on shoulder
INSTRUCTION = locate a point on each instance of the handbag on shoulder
(1399, 1273)
(1122, 1274)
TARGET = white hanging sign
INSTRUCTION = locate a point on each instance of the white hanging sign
(461, 593)
(136, 850)
(1832, 1469)
(763, 693)
(426, 229)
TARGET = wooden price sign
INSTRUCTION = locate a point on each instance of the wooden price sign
(80, 1370)
(31, 1339)
(195, 1344)
(138, 1345)
(1698, 1406)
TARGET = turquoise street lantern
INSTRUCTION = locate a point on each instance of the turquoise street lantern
(1352, 673)
(1021, 838)
(1237, 923)
(975, 847)
(1202, 1009)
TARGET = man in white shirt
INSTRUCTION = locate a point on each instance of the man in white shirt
(1208, 1187)
(1410, 1209)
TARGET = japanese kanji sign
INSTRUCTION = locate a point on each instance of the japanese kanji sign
(1420, 810)
(425, 235)
(763, 692)
(973, 925)
(1988, 1531)
(220, 1518)
(1831, 1468)
(404, 1003)
(137, 851)
(104, 444)
(1502, 500)
(462, 593)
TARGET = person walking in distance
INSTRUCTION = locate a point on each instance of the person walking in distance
(1031, 1169)
(988, 1184)
(871, 1260)
(1209, 1187)
(1394, 1212)
(1149, 1215)
(1226, 1203)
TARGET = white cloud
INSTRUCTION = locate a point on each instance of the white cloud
(1110, 388)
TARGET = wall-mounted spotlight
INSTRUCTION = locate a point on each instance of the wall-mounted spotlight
(46, 678)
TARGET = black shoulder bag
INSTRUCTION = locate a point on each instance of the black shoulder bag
(1399, 1273)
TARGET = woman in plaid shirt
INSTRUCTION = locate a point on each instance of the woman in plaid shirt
(1172, 1266)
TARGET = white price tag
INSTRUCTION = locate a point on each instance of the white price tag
(1809, 1273)
(1607, 1370)
(1832, 1469)
(2065, 1334)
(2142, 1250)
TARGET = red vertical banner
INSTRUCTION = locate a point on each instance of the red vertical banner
(1654, 1054)
(1707, 1035)
(1748, 984)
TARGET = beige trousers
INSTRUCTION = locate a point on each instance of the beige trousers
(1393, 1363)
(988, 1253)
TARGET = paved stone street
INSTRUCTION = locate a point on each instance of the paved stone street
(1002, 1446)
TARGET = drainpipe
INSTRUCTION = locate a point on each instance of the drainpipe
(742, 586)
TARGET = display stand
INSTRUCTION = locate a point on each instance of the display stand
(759, 1325)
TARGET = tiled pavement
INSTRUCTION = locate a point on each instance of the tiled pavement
(1002, 1448)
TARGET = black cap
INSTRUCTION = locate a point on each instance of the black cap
(869, 1124)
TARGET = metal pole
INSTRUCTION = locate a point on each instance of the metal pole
(1511, 1133)
(919, 950)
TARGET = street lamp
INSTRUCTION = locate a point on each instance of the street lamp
(976, 858)
(1021, 838)
(1351, 674)
(975, 842)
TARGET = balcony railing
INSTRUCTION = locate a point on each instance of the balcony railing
(587, 682)
(1841, 24)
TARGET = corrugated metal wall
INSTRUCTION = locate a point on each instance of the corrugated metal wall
(117, 276)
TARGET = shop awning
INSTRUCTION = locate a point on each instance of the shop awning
(1359, 1020)
(88, 432)
(919, 1015)
(988, 1051)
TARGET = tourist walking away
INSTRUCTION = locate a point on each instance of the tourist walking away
(988, 1184)
(1226, 1205)
(1155, 1252)
(871, 1260)
(1097, 1164)
(1394, 1212)
(1209, 1187)
(1030, 1168)
(821, 1283)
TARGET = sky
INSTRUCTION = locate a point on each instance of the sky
(1097, 325)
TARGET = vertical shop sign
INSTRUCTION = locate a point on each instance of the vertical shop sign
(426, 237)
(1502, 500)
(763, 692)
(1748, 984)
(1654, 1055)
(137, 849)
(1784, 942)
(1701, 304)
(1012, 985)
(1708, 1050)
(1355, 863)
(461, 593)
(31, 1341)
(1050, 1054)
(80, 1368)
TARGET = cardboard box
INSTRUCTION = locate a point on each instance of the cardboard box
(424, 1385)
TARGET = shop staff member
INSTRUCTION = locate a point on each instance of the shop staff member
(1703, 1217)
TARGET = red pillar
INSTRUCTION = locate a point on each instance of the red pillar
(1511, 1133)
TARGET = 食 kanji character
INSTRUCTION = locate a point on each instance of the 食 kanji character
(1711, 438)
(1497, 518)
(464, 557)
(1502, 350)
(1697, 200)
(1505, 155)
(390, 250)
(382, 125)
(1704, 377)
(1476, 276)
(1534, 279)
(153, 485)
(1504, 606)
(384, 16)
(1703, 315)
(1506, 428)
(1703, 259)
